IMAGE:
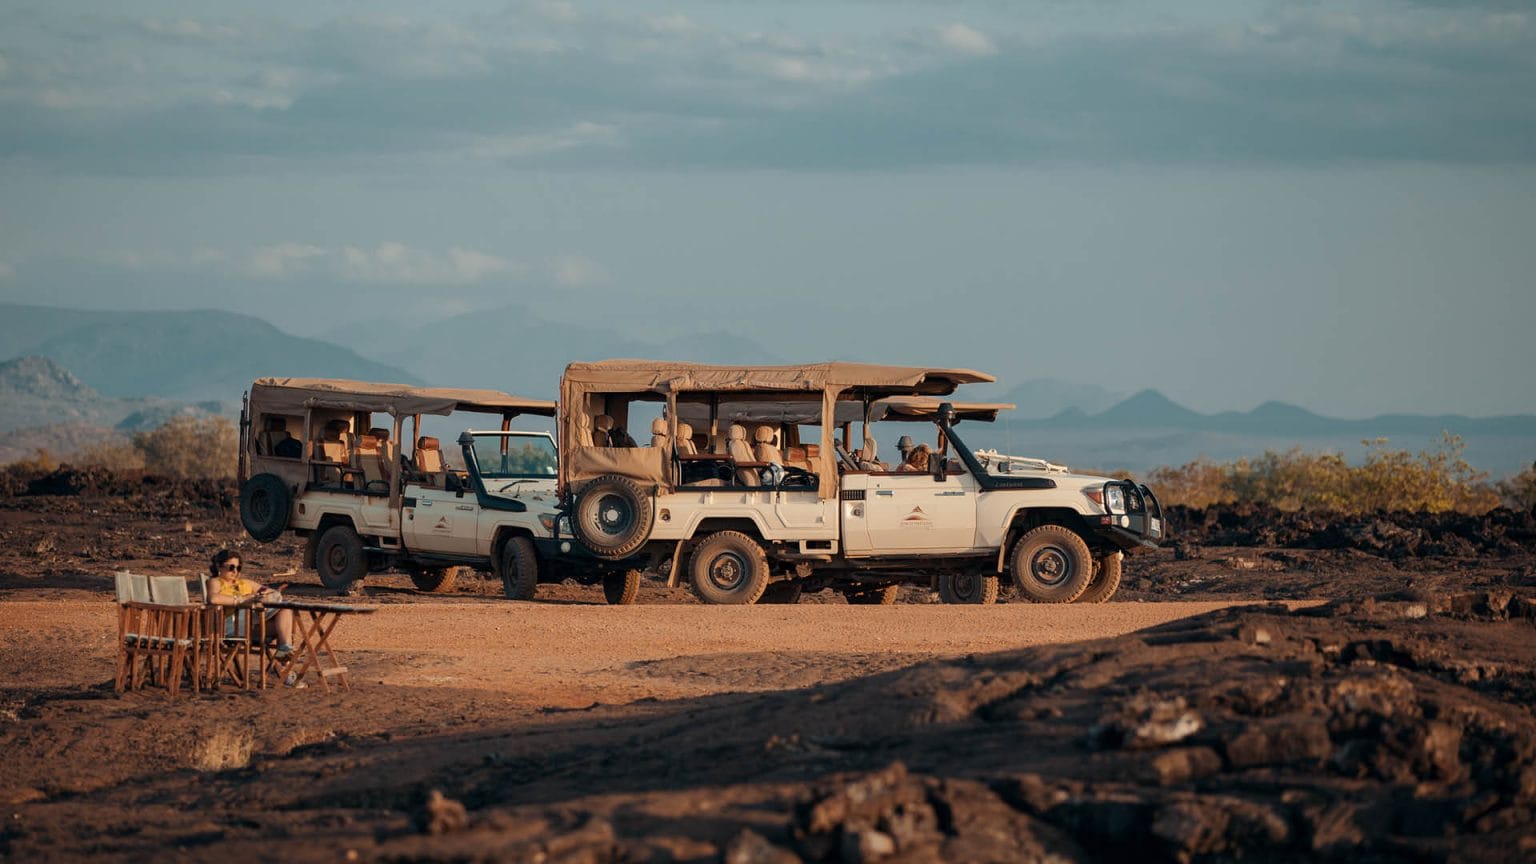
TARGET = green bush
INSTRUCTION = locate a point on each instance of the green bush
(1434, 481)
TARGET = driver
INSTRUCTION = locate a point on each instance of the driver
(917, 459)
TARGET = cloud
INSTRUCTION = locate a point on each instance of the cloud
(384, 263)
(541, 86)
(961, 39)
(574, 271)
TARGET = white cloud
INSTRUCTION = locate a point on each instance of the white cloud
(388, 262)
(574, 271)
(577, 135)
(962, 39)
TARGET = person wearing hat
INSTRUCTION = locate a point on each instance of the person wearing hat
(904, 444)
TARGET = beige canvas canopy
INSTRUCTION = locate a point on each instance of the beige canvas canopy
(897, 408)
(830, 382)
(295, 395)
(926, 407)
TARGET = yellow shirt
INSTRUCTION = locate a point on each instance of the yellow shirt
(234, 586)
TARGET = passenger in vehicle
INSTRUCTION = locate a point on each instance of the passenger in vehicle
(904, 446)
(917, 459)
(289, 447)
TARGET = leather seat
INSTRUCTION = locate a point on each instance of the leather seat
(739, 451)
(685, 445)
(429, 461)
(660, 436)
(765, 449)
(602, 431)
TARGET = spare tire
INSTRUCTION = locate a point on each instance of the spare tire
(612, 517)
(264, 505)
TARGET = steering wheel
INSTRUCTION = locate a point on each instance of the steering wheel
(849, 463)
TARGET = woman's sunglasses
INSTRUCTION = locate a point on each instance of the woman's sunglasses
(233, 568)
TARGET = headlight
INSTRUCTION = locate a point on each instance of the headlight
(548, 520)
(1114, 499)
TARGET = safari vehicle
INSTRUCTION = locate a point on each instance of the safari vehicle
(317, 459)
(803, 509)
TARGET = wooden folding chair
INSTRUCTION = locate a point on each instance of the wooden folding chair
(155, 639)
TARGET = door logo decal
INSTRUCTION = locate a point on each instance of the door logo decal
(916, 519)
(442, 526)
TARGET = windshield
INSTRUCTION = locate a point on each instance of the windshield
(514, 455)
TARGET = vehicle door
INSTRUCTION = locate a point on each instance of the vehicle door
(913, 512)
(436, 520)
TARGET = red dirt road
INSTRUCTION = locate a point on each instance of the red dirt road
(548, 655)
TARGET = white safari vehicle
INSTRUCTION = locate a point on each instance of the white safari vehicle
(321, 458)
(753, 483)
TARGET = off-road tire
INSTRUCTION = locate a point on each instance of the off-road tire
(435, 580)
(1051, 564)
(785, 592)
(265, 503)
(1106, 579)
(977, 588)
(340, 558)
(612, 516)
(519, 568)
(621, 589)
(873, 595)
(728, 568)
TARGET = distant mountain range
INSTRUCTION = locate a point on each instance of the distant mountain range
(189, 356)
(86, 375)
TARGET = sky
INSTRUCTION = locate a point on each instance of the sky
(1329, 204)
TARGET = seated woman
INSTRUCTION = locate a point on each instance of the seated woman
(226, 588)
(917, 459)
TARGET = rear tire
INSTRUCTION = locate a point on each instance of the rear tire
(728, 568)
(621, 589)
(519, 568)
(872, 595)
(1051, 564)
(975, 588)
(1106, 579)
(340, 558)
(435, 580)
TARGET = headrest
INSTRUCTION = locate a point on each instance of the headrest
(426, 443)
(659, 426)
(336, 427)
(367, 442)
(737, 432)
(602, 422)
(684, 430)
(276, 424)
(763, 435)
(380, 433)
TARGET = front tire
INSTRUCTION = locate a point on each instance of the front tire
(874, 595)
(621, 589)
(1051, 564)
(1106, 579)
(435, 580)
(728, 568)
(519, 568)
(340, 558)
(973, 588)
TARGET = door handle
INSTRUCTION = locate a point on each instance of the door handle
(884, 492)
(471, 506)
(946, 494)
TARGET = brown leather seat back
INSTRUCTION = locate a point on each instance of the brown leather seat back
(429, 459)
(765, 450)
(660, 436)
(740, 451)
(685, 445)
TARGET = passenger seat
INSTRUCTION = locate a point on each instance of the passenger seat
(739, 451)
(429, 461)
(659, 436)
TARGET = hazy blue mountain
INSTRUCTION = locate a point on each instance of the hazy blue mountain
(191, 355)
(1039, 398)
(515, 350)
(60, 410)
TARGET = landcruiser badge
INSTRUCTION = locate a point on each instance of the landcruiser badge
(916, 519)
(443, 526)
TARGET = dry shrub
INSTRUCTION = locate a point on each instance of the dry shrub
(1433, 481)
(223, 749)
(112, 455)
(190, 447)
(1519, 491)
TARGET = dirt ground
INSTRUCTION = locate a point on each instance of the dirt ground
(1384, 712)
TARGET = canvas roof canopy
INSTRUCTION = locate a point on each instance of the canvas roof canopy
(629, 376)
(926, 408)
(295, 395)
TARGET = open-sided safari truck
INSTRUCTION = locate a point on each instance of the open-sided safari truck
(752, 479)
(321, 458)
